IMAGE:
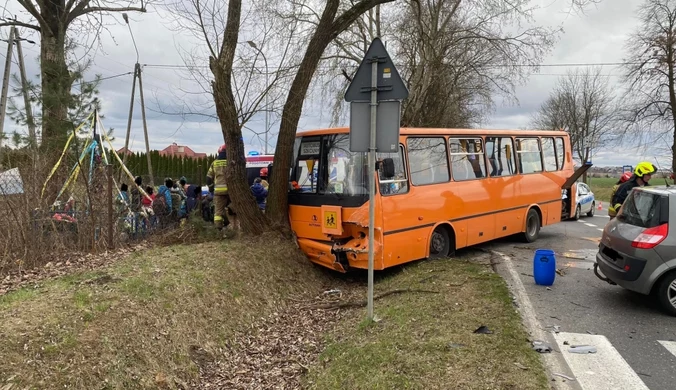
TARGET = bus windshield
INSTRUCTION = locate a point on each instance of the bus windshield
(325, 165)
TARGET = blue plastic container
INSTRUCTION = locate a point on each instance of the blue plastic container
(544, 267)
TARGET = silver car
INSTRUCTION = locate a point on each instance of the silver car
(638, 248)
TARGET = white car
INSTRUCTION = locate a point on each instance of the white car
(586, 203)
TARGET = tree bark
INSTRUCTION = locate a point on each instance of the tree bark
(56, 85)
(328, 28)
(251, 219)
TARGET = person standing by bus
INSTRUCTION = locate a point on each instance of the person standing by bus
(216, 179)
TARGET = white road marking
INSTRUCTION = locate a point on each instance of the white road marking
(552, 361)
(600, 229)
(605, 369)
(590, 224)
(580, 221)
(669, 345)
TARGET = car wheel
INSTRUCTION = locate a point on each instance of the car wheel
(440, 243)
(666, 293)
(577, 213)
(591, 212)
(532, 226)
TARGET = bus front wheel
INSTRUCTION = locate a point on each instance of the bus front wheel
(440, 243)
(532, 226)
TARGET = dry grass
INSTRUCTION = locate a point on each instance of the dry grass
(136, 324)
(426, 341)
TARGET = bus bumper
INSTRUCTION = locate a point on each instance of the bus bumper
(320, 253)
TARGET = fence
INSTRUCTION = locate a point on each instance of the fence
(78, 209)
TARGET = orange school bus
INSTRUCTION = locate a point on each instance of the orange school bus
(444, 190)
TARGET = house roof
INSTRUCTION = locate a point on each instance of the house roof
(180, 150)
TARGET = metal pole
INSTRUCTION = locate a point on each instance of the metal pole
(372, 181)
(109, 171)
(145, 124)
(26, 100)
(131, 112)
(267, 103)
(5, 85)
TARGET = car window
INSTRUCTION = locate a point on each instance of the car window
(641, 209)
(582, 189)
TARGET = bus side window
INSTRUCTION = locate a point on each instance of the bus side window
(467, 158)
(559, 152)
(500, 156)
(528, 153)
(427, 160)
(548, 153)
(399, 183)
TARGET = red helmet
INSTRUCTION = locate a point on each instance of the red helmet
(221, 149)
(625, 176)
(264, 172)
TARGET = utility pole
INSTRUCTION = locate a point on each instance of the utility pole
(137, 73)
(131, 113)
(267, 92)
(5, 86)
(145, 124)
(26, 99)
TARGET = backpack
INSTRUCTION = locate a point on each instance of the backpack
(160, 204)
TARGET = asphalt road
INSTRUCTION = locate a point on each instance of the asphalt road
(586, 309)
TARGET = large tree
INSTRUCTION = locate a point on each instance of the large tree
(53, 19)
(650, 73)
(583, 104)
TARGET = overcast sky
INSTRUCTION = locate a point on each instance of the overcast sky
(597, 36)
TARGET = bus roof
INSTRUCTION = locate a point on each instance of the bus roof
(441, 131)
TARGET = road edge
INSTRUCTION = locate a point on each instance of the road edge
(554, 361)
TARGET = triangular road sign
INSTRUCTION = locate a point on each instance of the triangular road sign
(390, 84)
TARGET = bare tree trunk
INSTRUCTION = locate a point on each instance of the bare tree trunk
(328, 28)
(56, 84)
(251, 218)
(672, 102)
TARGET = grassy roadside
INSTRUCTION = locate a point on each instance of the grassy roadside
(157, 318)
(426, 341)
(137, 323)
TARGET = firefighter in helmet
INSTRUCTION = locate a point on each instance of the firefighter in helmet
(217, 185)
(641, 177)
(612, 213)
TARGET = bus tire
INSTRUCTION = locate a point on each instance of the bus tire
(532, 226)
(440, 243)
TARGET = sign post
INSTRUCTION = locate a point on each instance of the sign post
(384, 85)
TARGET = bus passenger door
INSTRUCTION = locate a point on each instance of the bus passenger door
(569, 191)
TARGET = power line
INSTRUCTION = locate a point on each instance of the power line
(560, 65)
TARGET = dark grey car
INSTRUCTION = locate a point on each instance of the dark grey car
(638, 248)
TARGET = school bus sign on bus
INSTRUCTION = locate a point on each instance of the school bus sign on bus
(444, 189)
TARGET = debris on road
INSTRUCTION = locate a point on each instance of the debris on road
(563, 376)
(521, 366)
(582, 349)
(483, 330)
(541, 346)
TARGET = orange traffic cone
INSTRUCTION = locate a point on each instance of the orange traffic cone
(600, 206)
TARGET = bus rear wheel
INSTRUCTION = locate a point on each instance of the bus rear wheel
(532, 226)
(440, 243)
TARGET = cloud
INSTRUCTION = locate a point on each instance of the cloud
(598, 35)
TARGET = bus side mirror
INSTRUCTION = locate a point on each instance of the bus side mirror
(388, 168)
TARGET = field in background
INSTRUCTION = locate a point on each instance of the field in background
(602, 187)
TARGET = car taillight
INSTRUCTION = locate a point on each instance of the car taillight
(651, 237)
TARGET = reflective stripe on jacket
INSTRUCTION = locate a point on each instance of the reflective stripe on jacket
(217, 173)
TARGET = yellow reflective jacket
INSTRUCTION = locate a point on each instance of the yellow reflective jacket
(613, 209)
(217, 174)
